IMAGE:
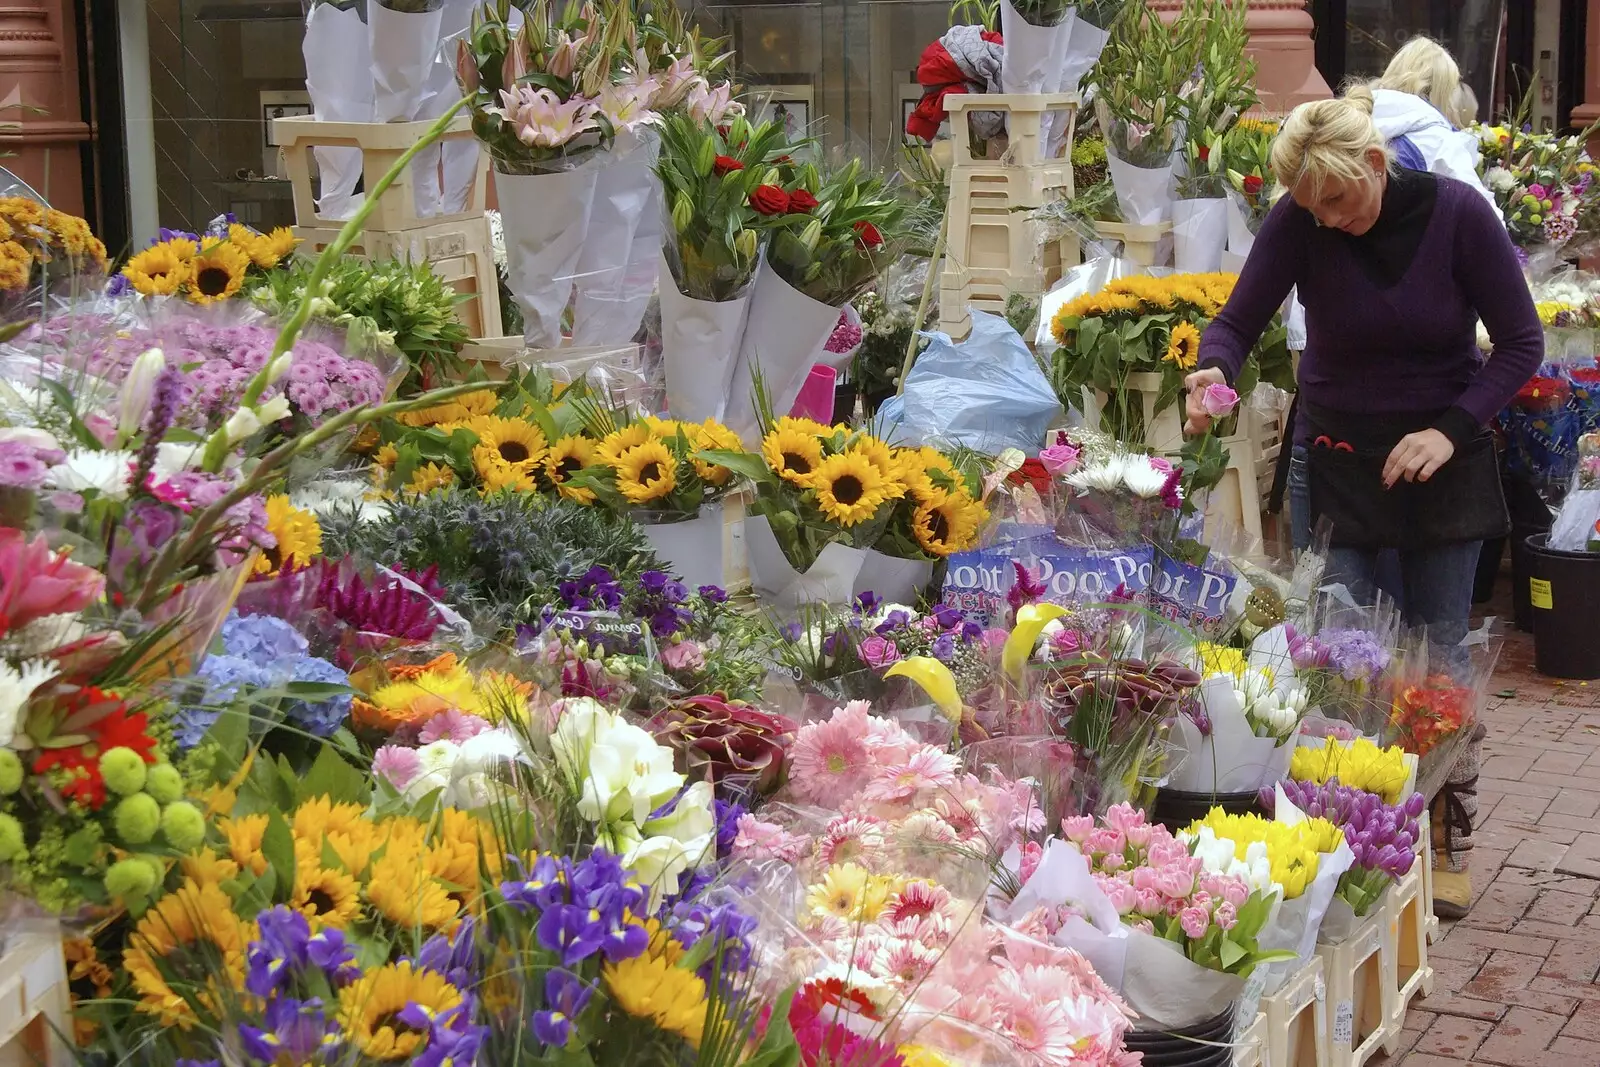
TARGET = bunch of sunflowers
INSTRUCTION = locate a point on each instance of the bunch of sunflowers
(207, 268)
(31, 234)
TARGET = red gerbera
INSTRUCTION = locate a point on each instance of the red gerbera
(110, 727)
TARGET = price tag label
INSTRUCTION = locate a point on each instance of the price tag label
(1344, 1024)
(1539, 593)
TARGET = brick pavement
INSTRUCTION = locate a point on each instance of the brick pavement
(1515, 981)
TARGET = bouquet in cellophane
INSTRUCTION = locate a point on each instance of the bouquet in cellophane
(1436, 694)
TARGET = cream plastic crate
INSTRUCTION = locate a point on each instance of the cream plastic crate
(1411, 977)
(460, 250)
(1429, 919)
(1140, 244)
(1360, 1000)
(35, 1003)
(1250, 1045)
(1296, 1019)
(382, 144)
(1025, 114)
(1265, 430)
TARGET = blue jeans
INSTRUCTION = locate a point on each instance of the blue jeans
(1432, 586)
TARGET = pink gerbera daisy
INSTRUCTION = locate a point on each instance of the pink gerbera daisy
(918, 900)
(927, 768)
(452, 724)
(1036, 1027)
(397, 765)
(829, 760)
(907, 962)
(851, 837)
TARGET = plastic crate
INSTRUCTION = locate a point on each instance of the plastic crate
(1411, 977)
(1360, 1000)
(1140, 244)
(382, 144)
(1250, 1045)
(35, 1003)
(1296, 1019)
(460, 250)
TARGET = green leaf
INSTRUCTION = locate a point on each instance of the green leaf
(277, 846)
(1230, 954)
(332, 777)
(312, 692)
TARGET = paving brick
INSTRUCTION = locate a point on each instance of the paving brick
(1585, 1022)
(1576, 803)
(1562, 909)
(1503, 974)
(1519, 1040)
(1538, 854)
(1502, 905)
(1452, 1035)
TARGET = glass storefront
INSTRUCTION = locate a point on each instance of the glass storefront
(1470, 29)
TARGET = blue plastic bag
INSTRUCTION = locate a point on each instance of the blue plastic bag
(986, 393)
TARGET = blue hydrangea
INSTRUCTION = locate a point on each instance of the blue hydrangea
(262, 639)
(320, 717)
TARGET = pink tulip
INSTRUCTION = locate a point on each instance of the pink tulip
(1194, 921)
(1218, 400)
(1227, 915)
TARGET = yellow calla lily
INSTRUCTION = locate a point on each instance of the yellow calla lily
(935, 679)
(1031, 619)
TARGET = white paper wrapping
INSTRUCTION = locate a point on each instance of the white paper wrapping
(443, 173)
(544, 217)
(1232, 262)
(1033, 58)
(699, 347)
(644, 256)
(403, 47)
(1083, 52)
(784, 337)
(840, 361)
(1143, 193)
(1240, 239)
(1199, 232)
(1294, 321)
(1297, 922)
(1232, 759)
(338, 53)
(692, 549)
(621, 195)
(830, 581)
(893, 579)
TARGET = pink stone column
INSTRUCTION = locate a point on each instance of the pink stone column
(41, 125)
(1280, 43)
(1589, 110)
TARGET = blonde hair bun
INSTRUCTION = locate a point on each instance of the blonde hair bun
(1326, 139)
(1423, 67)
(1360, 96)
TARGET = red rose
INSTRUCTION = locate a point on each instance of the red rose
(1205, 153)
(869, 235)
(726, 165)
(801, 201)
(1252, 185)
(769, 200)
(1031, 472)
(783, 160)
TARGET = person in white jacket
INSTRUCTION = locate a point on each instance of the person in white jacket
(1419, 105)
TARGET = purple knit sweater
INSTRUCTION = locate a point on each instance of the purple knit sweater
(1407, 349)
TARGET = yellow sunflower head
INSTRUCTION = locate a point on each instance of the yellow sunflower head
(1183, 349)
(646, 472)
(191, 931)
(567, 457)
(653, 986)
(849, 488)
(430, 476)
(219, 272)
(792, 453)
(325, 897)
(615, 443)
(162, 269)
(370, 1008)
(881, 456)
(299, 537)
(404, 892)
(461, 409)
(266, 250)
(947, 522)
(244, 836)
(709, 435)
(510, 454)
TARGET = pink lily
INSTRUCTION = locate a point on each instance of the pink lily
(628, 106)
(541, 120)
(515, 66)
(564, 60)
(674, 83)
(466, 69)
(712, 105)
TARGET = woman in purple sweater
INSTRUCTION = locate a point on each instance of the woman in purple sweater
(1394, 267)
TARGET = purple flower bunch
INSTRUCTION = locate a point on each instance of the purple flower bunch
(659, 598)
(1356, 655)
(1384, 837)
(25, 463)
(382, 606)
(596, 590)
(583, 911)
(846, 337)
(1306, 651)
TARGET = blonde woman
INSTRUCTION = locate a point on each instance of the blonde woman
(1394, 267)
(1420, 105)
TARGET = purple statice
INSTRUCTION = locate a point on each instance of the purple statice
(596, 590)
(166, 234)
(26, 466)
(1356, 655)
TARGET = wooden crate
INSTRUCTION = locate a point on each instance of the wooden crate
(1296, 1018)
(382, 144)
(35, 1003)
(1250, 1045)
(1360, 1001)
(459, 249)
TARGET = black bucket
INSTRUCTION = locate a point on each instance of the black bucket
(1206, 1044)
(1521, 574)
(1565, 590)
(1175, 808)
(844, 403)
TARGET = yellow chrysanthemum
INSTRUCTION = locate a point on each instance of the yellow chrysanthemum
(462, 408)
(369, 1008)
(244, 841)
(298, 533)
(219, 272)
(947, 522)
(849, 488)
(792, 454)
(326, 897)
(162, 269)
(1183, 349)
(711, 434)
(431, 476)
(615, 443)
(567, 457)
(22, 210)
(195, 918)
(653, 986)
(16, 265)
(646, 472)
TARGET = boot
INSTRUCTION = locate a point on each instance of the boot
(1452, 892)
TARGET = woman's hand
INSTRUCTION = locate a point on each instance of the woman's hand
(1417, 456)
(1198, 421)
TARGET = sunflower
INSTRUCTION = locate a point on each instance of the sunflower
(803, 425)
(325, 897)
(646, 472)
(162, 269)
(205, 867)
(567, 457)
(462, 408)
(244, 836)
(320, 816)
(219, 272)
(404, 892)
(1183, 349)
(881, 456)
(849, 488)
(370, 1007)
(299, 537)
(429, 477)
(615, 443)
(793, 454)
(653, 986)
(666, 428)
(510, 454)
(711, 434)
(264, 249)
(195, 917)
(947, 522)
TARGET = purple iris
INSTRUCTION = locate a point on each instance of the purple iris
(729, 930)
(727, 817)
(544, 887)
(328, 950)
(573, 931)
(278, 951)
(565, 997)
(452, 1038)
(293, 1030)
(452, 958)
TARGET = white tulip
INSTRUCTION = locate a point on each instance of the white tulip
(273, 410)
(689, 819)
(241, 424)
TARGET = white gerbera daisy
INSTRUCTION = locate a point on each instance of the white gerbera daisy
(106, 472)
(16, 686)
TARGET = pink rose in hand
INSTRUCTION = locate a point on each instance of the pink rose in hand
(1218, 400)
(1060, 459)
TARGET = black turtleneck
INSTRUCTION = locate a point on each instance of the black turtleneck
(1385, 252)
